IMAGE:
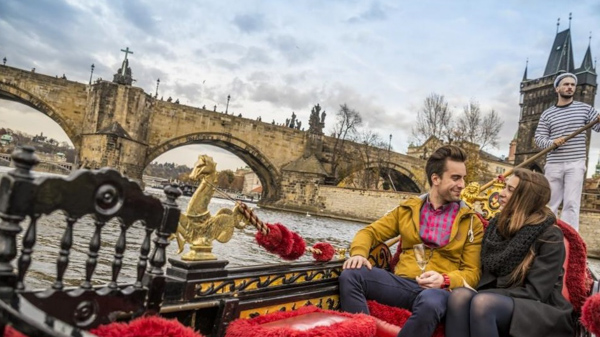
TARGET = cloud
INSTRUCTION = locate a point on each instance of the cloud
(139, 15)
(377, 12)
(250, 23)
(291, 49)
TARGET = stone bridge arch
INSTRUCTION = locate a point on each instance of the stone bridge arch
(12, 92)
(403, 178)
(268, 174)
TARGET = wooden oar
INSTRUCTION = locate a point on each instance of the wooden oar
(540, 154)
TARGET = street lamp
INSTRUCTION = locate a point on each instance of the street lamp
(157, 83)
(388, 183)
(4, 61)
(91, 73)
(227, 106)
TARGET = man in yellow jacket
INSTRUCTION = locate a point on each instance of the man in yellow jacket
(452, 234)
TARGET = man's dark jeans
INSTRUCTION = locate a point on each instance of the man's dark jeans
(428, 306)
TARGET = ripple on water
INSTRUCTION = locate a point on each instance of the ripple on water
(241, 250)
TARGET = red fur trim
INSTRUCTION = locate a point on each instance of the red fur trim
(298, 248)
(396, 316)
(393, 315)
(278, 241)
(150, 326)
(326, 249)
(359, 326)
(590, 314)
(575, 278)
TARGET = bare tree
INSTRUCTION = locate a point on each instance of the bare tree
(476, 128)
(346, 122)
(433, 119)
(370, 161)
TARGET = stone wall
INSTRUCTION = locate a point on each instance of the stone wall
(589, 228)
(367, 206)
(362, 205)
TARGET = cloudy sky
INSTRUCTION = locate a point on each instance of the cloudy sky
(381, 58)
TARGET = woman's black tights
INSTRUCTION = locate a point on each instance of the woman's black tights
(472, 314)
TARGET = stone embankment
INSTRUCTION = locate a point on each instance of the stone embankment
(367, 206)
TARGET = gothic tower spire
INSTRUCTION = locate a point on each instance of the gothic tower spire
(561, 54)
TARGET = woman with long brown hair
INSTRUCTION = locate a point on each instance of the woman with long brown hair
(522, 255)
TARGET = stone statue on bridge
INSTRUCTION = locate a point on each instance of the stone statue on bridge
(123, 75)
(316, 123)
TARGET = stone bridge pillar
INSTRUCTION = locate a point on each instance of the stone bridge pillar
(115, 128)
(299, 188)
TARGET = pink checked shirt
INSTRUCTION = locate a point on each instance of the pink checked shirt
(436, 224)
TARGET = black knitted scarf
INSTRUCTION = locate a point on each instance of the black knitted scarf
(500, 255)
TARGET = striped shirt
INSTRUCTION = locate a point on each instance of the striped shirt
(561, 121)
(436, 224)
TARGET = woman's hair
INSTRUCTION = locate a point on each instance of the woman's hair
(526, 206)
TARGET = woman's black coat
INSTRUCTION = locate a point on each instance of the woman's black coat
(540, 308)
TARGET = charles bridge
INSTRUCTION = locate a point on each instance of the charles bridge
(118, 125)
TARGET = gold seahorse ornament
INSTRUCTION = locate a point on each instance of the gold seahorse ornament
(196, 225)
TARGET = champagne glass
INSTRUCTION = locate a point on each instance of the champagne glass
(420, 256)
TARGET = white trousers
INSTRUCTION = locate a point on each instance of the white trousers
(566, 182)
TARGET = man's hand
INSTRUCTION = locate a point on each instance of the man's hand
(356, 262)
(430, 280)
(559, 141)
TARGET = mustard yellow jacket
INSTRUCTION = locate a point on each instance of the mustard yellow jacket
(459, 259)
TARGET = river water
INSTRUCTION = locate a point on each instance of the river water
(241, 250)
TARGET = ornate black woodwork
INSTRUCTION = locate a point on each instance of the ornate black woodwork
(104, 195)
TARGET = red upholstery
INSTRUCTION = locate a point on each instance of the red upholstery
(304, 322)
(565, 290)
(576, 281)
(151, 326)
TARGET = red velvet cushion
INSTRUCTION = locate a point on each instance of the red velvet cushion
(304, 322)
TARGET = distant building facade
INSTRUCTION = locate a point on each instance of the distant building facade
(252, 185)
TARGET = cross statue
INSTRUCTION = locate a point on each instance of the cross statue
(126, 51)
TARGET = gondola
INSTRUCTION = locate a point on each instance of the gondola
(186, 295)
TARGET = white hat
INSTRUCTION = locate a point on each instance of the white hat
(563, 75)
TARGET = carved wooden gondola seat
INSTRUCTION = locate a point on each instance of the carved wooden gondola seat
(577, 282)
(101, 195)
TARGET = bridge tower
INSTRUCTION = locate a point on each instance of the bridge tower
(538, 94)
(115, 124)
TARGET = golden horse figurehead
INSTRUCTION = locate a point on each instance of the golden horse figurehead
(203, 167)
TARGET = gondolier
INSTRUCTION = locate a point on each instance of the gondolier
(565, 166)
